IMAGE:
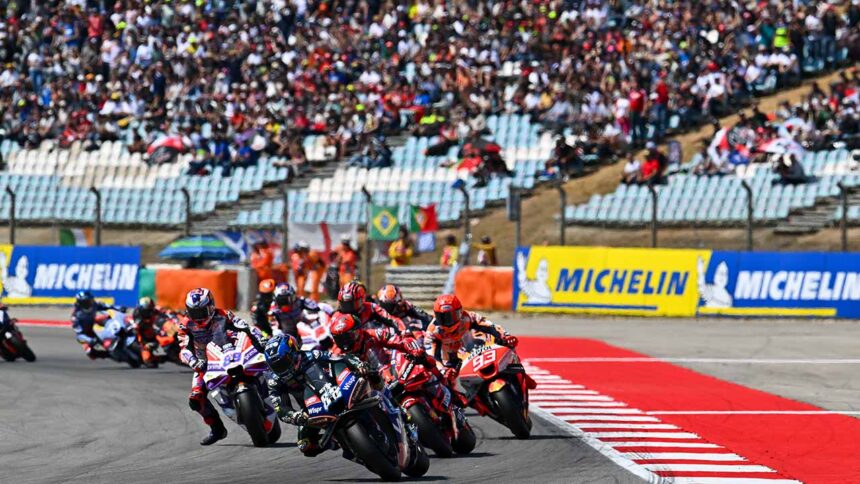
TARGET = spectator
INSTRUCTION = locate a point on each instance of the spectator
(631, 172)
(261, 260)
(400, 251)
(789, 169)
(486, 252)
(450, 252)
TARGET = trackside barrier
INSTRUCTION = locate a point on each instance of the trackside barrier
(171, 286)
(35, 274)
(683, 282)
(486, 288)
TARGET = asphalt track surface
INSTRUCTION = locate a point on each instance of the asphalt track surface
(67, 419)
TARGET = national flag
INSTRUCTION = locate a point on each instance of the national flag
(423, 219)
(383, 223)
(426, 242)
(76, 237)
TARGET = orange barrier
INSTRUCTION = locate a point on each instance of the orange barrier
(485, 288)
(171, 286)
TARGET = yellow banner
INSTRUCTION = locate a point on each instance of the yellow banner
(601, 280)
(5, 257)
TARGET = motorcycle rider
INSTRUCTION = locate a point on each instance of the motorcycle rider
(204, 323)
(371, 345)
(289, 370)
(392, 300)
(453, 328)
(352, 300)
(84, 317)
(146, 316)
(288, 310)
(263, 304)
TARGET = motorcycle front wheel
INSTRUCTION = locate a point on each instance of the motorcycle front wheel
(250, 414)
(511, 411)
(374, 458)
(429, 433)
(24, 351)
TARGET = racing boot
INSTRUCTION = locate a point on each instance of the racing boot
(217, 431)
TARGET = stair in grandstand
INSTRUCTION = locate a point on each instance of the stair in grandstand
(419, 284)
(224, 216)
(826, 212)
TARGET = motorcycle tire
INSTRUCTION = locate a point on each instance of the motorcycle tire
(466, 440)
(25, 352)
(420, 465)
(429, 433)
(366, 449)
(250, 414)
(5, 354)
(275, 433)
(511, 411)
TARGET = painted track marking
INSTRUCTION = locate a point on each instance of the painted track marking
(642, 444)
(746, 361)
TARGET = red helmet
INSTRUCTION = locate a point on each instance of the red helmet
(389, 298)
(351, 297)
(267, 286)
(345, 330)
(448, 311)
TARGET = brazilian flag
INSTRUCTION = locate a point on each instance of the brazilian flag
(383, 223)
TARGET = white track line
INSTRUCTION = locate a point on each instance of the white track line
(609, 418)
(685, 445)
(751, 361)
(608, 411)
(722, 457)
(707, 468)
(605, 449)
(560, 386)
(731, 480)
(581, 398)
(651, 435)
(753, 412)
(581, 404)
(631, 426)
(561, 391)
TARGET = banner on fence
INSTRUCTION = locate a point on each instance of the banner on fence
(780, 284)
(680, 282)
(606, 281)
(52, 274)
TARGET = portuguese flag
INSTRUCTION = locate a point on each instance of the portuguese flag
(423, 219)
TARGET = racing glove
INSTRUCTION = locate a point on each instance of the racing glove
(198, 365)
(413, 348)
(362, 369)
(295, 418)
(451, 376)
(510, 341)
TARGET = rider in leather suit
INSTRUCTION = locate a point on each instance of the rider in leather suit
(392, 300)
(288, 311)
(83, 319)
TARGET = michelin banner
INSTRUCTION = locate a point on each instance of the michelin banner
(678, 282)
(52, 275)
(606, 281)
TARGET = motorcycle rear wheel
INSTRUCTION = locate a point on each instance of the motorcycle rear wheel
(5, 354)
(25, 352)
(250, 414)
(511, 411)
(429, 433)
(373, 457)
(466, 440)
(275, 433)
(421, 464)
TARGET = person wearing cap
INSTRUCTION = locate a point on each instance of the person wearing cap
(308, 267)
(346, 261)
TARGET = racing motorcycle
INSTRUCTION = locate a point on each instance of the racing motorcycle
(168, 344)
(496, 385)
(12, 342)
(313, 329)
(441, 423)
(235, 379)
(117, 337)
(362, 421)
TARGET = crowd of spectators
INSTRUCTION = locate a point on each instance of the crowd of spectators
(240, 79)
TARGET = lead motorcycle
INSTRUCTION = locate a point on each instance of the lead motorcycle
(497, 385)
(235, 379)
(12, 342)
(441, 422)
(117, 337)
(365, 423)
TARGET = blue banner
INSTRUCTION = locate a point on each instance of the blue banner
(780, 284)
(52, 275)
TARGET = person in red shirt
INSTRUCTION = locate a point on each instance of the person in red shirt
(660, 107)
(637, 115)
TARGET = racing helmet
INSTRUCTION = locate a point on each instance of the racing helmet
(200, 305)
(448, 311)
(351, 297)
(285, 296)
(266, 287)
(345, 330)
(85, 301)
(144, 310)
(283, 354)
(389, 297)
